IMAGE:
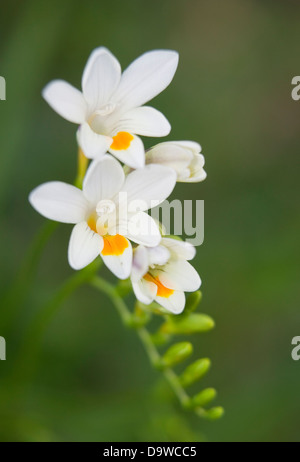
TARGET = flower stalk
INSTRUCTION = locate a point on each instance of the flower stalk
(107, 206)
(18, 291)
(26, 361)
(164, 363)
(82, 165)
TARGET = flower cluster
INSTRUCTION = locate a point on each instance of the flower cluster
(109, 211)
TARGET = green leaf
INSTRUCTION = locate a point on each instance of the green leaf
(195, 372)
(188, 324)
(175, 354)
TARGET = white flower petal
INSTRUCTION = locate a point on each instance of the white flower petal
(101, 77)
(180, 275)
(170, 154)
(66, 100)
(84, 246)
(139, 263)
(183, 156)
(144, 291)
(103, 180)
(180, 249)
(149, 186)
(197, 173)
(92, 144)
(158, 255)
(175, 303)
(191, 145)
(200, 176)
(133, 156)
(183, 175)
(59, 202)
(119, 265)
(145, 121)
(142, 229)
(145, 78)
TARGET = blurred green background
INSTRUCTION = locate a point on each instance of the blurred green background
(232, 93)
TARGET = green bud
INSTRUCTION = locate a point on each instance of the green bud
(176, 354)
(188, 324)
(193, 301)
(195, 372)
(159, 338)
(204, 397)
(214, 413)
(154, 308)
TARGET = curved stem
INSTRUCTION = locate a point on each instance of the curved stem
(169, 374)
(14, 298)
(104, 286)
(152, 352)
(82, 164)
(26, 362)
(144, 335)
(16, 294)
(177, 388)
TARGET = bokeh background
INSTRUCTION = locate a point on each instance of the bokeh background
(232, 93)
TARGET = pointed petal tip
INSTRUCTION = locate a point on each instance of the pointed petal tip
(168, 52)
(66, 100)
(146, 77)
(59, 201)
(100, 50)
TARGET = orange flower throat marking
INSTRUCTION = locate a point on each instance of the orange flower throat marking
(114, 245)
(122, 141)
(162, 291)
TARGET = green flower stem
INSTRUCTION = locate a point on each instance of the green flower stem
(13, 299)
(110, 290)
(172, 378)
(144, 335)
(26, 362)
(150, 348)
(82, 165)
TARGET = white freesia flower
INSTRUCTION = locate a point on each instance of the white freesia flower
(110, 108)
(163, 274)
(103, 214)
(183, 156)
